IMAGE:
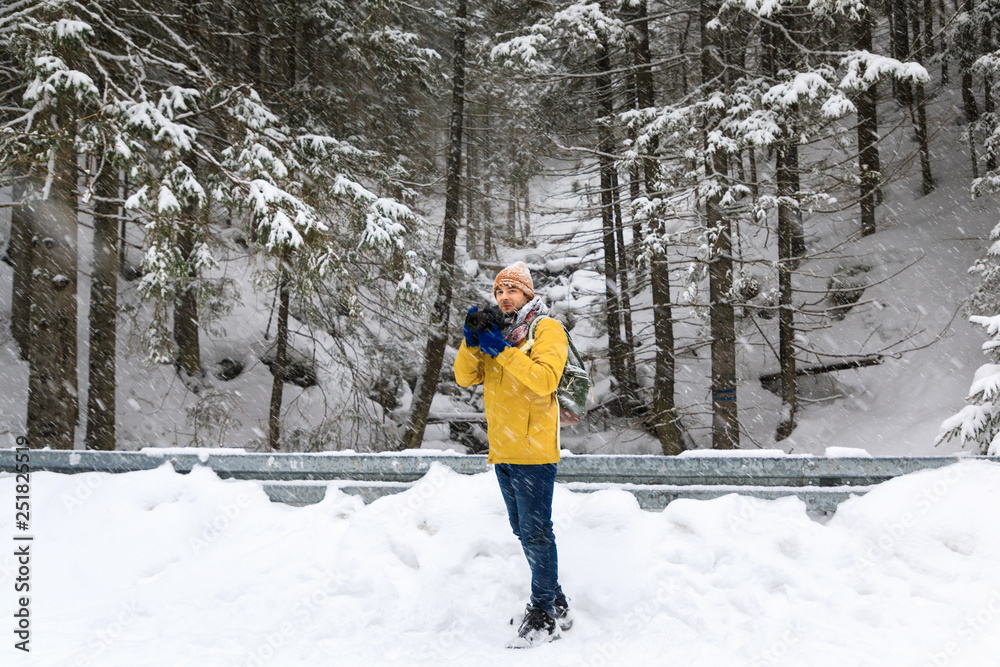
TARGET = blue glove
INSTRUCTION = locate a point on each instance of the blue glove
(471, 339)
(492, 342)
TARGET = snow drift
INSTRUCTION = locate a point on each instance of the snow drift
(158, 568)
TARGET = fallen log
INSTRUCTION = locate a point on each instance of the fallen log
(872, 360)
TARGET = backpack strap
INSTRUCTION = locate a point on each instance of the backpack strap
(530, 340)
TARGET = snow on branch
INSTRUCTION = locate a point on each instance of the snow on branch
(987, 64)
(55, 80)
(404, 45)
(522, 49)
(980, 421)
(865, 68)
(802, 87)
(588, 21)
(148, 119)
(383, 223)
(384, 218)
(853, 9)
(272, 205)
(584, 22)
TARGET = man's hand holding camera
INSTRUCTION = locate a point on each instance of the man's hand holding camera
(492, 341)
(482, 330)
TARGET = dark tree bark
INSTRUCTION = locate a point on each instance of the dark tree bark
(606, 165)
(665, 423)
(787, 258)
(968, 94)
(942, 19)
(989, 105)
(472, 217)
(53, 404)
(103, 316)
(900, 47)
(664, 408)
(791, 239)
(725, 415)
(280, 362)
(921, 45)
(186, 307)
(438, 336)
(782, 56)
(253, 55)
(631, 386)
(868, 157)
(20, 252)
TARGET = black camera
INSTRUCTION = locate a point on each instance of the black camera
(485, 318)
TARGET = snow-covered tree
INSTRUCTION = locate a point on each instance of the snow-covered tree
(979, 422)
(973, 45)
(43, 141)
(783, 103)
(120, 84)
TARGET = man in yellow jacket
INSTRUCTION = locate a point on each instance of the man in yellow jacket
(522, 417)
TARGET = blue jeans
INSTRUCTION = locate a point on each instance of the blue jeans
(527, 492)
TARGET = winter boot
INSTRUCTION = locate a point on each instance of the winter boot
(539, 627)
(563, 615)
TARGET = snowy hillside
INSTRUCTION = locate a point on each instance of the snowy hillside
(916, 272)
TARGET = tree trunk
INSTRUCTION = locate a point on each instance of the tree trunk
(868, 157)
(786, 313)
(526, 209)
(637, 15)
(629, 345)
(921, 46)
(968, 94)
(186, 307)
(664, 409)
(725, 415)
(900, 47)
(438, 336)
(20, 251)
(665, 422)
(254, 67)
(103, 315)
(798, 231)
(616, 346)
(969, 98)
(942, 21)
(782, 56)
(53, 404)
(988, 103)
(280, 362)
(123, 269)
(472, 218)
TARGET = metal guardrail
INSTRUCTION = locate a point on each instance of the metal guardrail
(303, 478)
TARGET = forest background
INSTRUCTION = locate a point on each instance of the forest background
(259, 225)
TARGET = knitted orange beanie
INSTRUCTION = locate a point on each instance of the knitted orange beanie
(516, 275)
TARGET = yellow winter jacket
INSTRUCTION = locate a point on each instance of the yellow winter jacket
(522, 413)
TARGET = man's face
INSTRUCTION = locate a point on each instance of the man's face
(509, 299)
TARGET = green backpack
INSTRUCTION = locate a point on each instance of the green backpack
(574, 385)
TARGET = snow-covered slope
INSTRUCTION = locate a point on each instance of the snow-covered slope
(916, 272)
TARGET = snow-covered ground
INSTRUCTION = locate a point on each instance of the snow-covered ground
(156, 568)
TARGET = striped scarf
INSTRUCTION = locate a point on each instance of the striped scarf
(517, 330)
